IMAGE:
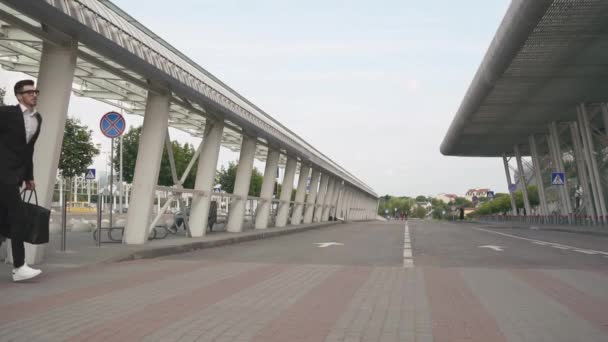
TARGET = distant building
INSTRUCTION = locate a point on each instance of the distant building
(479, 193)
(446, 198)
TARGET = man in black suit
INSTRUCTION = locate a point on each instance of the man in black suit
(19, 129)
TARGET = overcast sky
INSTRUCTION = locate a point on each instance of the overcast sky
(373, 85)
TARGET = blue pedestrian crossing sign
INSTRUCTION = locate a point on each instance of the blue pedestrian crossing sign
(558, 178)
(90, 175)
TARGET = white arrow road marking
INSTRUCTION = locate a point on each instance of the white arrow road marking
(552, 244)
(495, 248)
(328, 244)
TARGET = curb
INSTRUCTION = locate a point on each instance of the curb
(151, 253)
(585, 231)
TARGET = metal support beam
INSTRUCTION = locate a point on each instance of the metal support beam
(522, 180)
(582, 171)
(538, 176)
(509, 182)
(589, 151)
(559, 164)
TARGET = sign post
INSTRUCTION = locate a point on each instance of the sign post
(112, 125)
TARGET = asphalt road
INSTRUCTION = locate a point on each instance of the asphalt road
(370, 281)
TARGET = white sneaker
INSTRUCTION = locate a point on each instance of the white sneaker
(25, 272)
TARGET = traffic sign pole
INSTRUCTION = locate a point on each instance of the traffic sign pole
(112, 125)
(111, 182)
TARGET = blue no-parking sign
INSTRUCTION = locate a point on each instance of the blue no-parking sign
(112, 125)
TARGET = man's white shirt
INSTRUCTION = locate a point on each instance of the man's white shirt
(30, 121)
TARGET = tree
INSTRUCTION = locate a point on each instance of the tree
(502, 202)
(77, 150)
(419, 212)
(421, 198)
(227, 176)
(462, 202)
(402, 204)
(2, 95)
(181, 153)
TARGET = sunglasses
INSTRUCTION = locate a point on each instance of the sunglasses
(30, 92)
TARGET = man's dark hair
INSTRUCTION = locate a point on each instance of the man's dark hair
(19, 85)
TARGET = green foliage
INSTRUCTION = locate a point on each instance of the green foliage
(77, 150)
(421, 198)
(403, 205)
(227, 176)
(502, 202)
(462, 202)
(419, 212)
(181, 153)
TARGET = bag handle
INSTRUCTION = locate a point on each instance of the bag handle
(29, 200)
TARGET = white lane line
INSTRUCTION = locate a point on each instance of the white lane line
(552, 244)
(408, 259)
(585, 251)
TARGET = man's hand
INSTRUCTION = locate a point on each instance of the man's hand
(30, 185)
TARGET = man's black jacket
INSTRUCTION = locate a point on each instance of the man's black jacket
(16, 155)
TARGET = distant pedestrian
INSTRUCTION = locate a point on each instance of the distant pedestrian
(19, 129)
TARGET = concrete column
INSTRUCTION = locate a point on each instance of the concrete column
(296, 217)
(559, 163)
(56, 74)
(321, 198)
(509, 182)
(236, 214)
(538, 175)
(355, 205)
(147, 167)
(338, 203)
(205, 177)
(348, 204)
(590, 153)
(286, 190)
(312, 196)
(522, 180)
(334, 202)
(272, 164)
(328, 197)
(583, 175)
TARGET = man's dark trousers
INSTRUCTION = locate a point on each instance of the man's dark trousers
(11, 208)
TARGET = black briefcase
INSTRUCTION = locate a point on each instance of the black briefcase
(36, 221)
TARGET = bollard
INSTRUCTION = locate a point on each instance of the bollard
(64, 229)
(98, 221)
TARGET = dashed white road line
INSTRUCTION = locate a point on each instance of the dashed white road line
(408, 259)
(552, 244)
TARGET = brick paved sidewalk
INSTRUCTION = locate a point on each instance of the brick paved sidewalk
(184, 300)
